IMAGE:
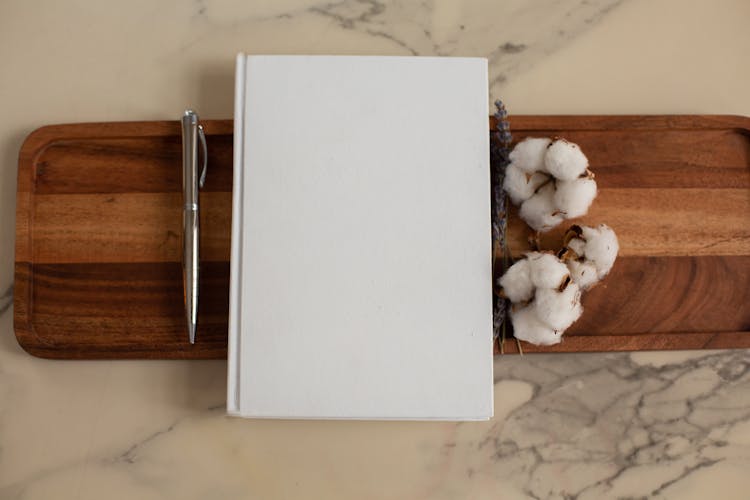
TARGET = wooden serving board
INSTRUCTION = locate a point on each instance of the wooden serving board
(98, 223)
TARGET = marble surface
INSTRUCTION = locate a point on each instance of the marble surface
(666, 425)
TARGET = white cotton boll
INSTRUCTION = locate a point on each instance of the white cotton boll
(528, 155)
(583, 274)
(558, 310)
(527, 327)
(547, 271)
(601, 247)
(516, 282)
(578, 246)
(516, 184)
(539, 211)
(565, 160)
(589, 233)
(519, 185)
(574, 197)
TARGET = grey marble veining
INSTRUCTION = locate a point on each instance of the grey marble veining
(587, 427)
(612, 418)
(413, 28)
(513, 36)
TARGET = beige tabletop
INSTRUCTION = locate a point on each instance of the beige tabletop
(668, 425)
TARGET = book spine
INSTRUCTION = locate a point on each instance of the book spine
(235, 273)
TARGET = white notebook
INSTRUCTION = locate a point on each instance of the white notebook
(361, 282)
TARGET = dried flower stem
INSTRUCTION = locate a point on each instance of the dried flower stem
(500, 141)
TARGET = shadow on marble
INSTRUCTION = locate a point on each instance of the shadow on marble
(10, 145)
(216, 90)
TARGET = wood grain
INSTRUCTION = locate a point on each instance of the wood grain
(701, 294)
(133, 309)
(130, 227)
(98, 236)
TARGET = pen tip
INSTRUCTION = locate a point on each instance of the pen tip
(191, 332)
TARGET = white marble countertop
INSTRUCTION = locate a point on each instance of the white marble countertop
(668, 425)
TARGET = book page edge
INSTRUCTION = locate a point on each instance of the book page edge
(235, 271)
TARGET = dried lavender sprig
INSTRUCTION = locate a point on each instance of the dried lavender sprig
(500, 142)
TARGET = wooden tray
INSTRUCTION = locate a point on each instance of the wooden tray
(98, 222)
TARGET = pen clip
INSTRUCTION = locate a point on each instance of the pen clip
(202, 138)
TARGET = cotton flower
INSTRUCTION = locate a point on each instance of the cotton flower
(565, 161)
(539, 211)
(550, 181)
(520, 185)
(558, 309)
(547, 271)
(573, 198)
(601, 247)
(594, 253)
(516, 282)
(528, 327)
(545, 300)
(528, 155)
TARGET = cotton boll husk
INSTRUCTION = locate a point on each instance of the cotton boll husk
(526, 326)
(565, 160)
(558, 310)
(528, 155)
(574, 197)
(546, 270)
(578, 246)
(516, 282)
(519, 185)
(539, 211)
(584, 274)
(601, 247)
(573, 231)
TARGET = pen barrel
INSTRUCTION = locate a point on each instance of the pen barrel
(190, 262)
(190, 220)
(190, 158)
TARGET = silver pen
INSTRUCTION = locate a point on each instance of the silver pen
(192, 133)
